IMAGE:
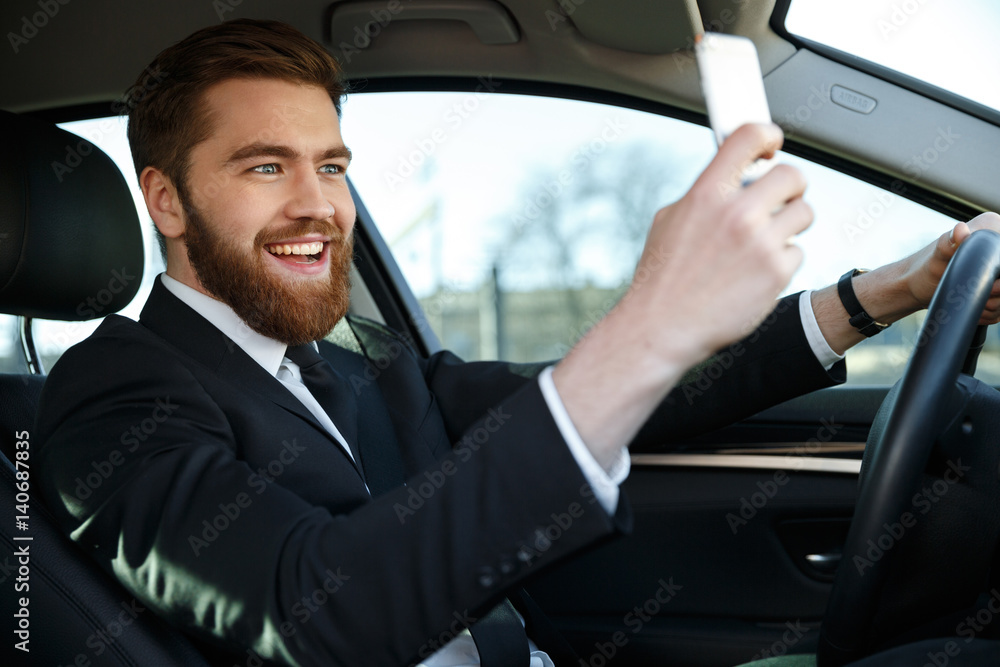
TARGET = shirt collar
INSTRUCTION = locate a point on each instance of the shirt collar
(265, 351)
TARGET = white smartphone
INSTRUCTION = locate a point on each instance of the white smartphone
(733, 85)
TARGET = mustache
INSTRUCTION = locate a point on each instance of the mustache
(322, 227)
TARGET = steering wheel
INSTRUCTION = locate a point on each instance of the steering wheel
(899, 457)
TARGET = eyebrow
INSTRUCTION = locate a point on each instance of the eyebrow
(257, 149)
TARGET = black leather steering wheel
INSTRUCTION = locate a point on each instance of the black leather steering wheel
(900, 456)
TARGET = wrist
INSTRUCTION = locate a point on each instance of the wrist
(885, 293)
(614, 377)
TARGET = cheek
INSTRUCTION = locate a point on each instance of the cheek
(244, 216)
(345, 212)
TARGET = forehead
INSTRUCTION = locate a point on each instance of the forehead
(244, 111)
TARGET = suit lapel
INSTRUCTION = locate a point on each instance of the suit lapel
(180, 325)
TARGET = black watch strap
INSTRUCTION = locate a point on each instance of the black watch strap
(859, 319)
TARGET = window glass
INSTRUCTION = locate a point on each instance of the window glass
(517, 220)
(52, 338)
(951, 45)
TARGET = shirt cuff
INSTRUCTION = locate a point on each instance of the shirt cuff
(604, 483)
(824, 353)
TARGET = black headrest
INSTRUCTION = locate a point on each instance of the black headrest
(70, 241)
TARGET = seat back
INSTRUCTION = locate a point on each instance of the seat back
(70, 249)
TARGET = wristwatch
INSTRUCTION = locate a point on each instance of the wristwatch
(860, 320)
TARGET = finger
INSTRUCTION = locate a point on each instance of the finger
(988, 220)
(793, 219)
(958, 234)
(771, 191)
(748, 143)
(790, 261)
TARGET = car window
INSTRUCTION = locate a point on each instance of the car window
(518, 220)
(901, 35)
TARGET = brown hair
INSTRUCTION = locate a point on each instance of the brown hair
(166, 115)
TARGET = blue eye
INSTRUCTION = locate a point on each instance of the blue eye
(266, 169)
(333, 169)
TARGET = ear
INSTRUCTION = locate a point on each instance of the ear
(162, 202)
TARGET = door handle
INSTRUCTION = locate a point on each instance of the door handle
(826, 563)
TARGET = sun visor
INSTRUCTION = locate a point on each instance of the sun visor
(652, 27)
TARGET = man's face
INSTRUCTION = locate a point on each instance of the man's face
(269, 215)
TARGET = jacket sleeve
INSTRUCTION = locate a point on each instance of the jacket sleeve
(140, 465)
(772, 364)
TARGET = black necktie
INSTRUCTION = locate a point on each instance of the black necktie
(381, 465)
(499, 635)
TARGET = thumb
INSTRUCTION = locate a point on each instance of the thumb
(958, 234)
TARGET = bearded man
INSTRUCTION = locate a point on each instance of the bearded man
(267, 513)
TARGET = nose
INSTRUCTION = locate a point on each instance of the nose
(308, 200)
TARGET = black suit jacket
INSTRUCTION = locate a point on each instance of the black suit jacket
(216, 498)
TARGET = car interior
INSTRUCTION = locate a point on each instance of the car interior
(782, 534)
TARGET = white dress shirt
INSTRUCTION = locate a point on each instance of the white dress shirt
(270, 354)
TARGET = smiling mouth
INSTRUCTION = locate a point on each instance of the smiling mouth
(297, 253)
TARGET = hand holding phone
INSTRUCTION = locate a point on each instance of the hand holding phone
(733, 86)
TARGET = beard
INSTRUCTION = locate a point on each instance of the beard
(290, 311)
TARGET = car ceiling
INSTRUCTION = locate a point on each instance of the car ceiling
(90, 52)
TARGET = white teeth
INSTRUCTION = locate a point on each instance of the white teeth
(296, 249)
